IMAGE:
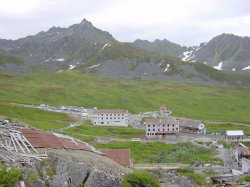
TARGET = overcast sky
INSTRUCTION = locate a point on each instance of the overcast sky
(187, 22)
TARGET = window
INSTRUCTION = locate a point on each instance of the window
(102, 114)
(172, 129)
(153, 133)
(158, 129)
(114, 114)
(148, 129)
(177, 129)
(122, 117)
(110, 118)
(153, 125)
(106, 118)
(106, 114)
(153, 129)
(102, 122)
(168, 129)
(163, 125)
(148, 125)
(102, 118)
(173, 125)
(168, 125)
(147, 133)
(163, 129)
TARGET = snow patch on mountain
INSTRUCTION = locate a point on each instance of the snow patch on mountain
(167, 68)
(219, 66)
(105, 45)
(71, 66)
(246, 68)
(94, 66)
(186, 55)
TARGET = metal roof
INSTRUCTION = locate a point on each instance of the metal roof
(120, 156)
(192, 123)
(49, 140)
(234, 133)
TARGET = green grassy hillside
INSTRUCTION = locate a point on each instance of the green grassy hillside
(4, 59)
(73, 88)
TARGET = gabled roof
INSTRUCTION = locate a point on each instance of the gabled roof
(110, 111)
(120, 156)
(235, 133)
(44, 139)
(192, 123)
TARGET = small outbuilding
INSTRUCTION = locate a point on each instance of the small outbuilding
(193, 126)
(234, 135)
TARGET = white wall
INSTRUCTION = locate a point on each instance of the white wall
(150, 128)
(245, 166)
(110, 119)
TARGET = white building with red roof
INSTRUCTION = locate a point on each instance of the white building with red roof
(164, 111)
(110, 117)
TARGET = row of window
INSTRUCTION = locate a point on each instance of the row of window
(111, 114)
(162, 125)
(114, 118)
(164, 129)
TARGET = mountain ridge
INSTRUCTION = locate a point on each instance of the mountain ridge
(93, 51)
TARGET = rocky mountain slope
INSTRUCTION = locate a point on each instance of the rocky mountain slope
(93, 51)
(223, 52)
(161, 46)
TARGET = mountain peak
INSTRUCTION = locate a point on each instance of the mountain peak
(86, 23)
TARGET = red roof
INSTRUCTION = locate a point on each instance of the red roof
(120, 156)
(49, 140)
(110, 111)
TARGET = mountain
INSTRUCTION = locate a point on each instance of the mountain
(90, 50)
(223, 52)
(161, 46)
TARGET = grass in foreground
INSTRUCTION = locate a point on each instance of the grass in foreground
(109, 132)
(40, 119)
(139, 178)
(217, 128)
(73, 88)
(159, 152)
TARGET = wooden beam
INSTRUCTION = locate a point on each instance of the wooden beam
(29, 144)
(17, 142)
(13, 142)
(20, 138)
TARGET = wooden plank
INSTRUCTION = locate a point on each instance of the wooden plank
(20, 138)
(13, 142)
(29, 144)
(17, 142)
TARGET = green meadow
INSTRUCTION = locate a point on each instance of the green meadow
(39, 119)
(159, 152)
(73, 88)
(217, 128)
(109, 132)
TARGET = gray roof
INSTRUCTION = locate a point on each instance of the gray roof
(192, 123)
(156, 121)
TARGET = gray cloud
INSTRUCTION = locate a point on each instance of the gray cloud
(186, 22)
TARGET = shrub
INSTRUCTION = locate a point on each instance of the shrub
(140, 178)
(8, 177)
